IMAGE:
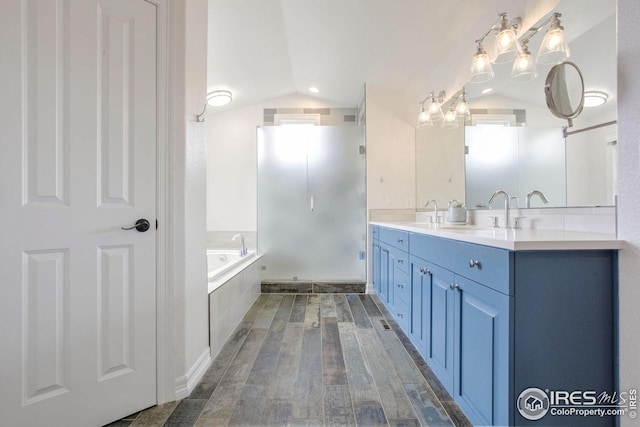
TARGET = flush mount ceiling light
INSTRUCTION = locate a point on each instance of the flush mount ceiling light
(554, 48)
(594, 98)
(314, 89)
(218, 98)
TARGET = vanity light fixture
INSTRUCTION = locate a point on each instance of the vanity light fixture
(524, 67)
(450, 120)
(218, 98)
(424, 119)
(435, 106)
(462, 108)
(554, 48)
(594, 98)
(481, 68)
(506, 46)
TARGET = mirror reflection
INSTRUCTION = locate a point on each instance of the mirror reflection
(513, 142)
(564, 90)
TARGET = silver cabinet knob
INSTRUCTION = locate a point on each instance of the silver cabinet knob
(474, 263)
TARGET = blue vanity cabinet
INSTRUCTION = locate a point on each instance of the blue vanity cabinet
(481, 352)
(441, 316)
(375, 259)
(395, 275)
(386, 273)
(420, 296)
(492, 323)
(468, 323)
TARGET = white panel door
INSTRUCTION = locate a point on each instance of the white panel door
(77, 163)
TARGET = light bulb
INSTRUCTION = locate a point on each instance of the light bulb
(554, 48)
(435, 108)
(424, 119)
(449, 120)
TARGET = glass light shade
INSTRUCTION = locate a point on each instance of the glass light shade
(450, 121)
(524, 68)
(507, 47)
(218, 98)
(554, 48)
(462, 110)
(424, 119)
(481, 68)
(435, 110)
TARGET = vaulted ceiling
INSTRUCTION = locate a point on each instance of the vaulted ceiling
(263, 49)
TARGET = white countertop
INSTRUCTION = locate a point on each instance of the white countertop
(515, 240)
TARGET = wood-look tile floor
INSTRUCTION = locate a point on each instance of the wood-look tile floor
(330, 359)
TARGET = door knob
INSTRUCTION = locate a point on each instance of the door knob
(141, 225)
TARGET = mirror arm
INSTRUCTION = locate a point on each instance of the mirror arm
(565, 133)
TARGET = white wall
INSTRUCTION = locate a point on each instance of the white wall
(232, 164)
(190, 304)
(628, 194)
(391, 135)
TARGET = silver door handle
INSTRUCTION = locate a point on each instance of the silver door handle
(311, 203)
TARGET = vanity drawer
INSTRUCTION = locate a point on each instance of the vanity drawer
(400, 260)
(395, 238)
(401, 313)
(402, 286)
(491, 267)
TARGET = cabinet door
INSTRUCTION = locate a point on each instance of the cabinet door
(440, 318)
(481, 364)
(375, 266)
(420, 296)
(386, 274)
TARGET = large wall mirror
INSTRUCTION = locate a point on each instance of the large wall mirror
(514, 143)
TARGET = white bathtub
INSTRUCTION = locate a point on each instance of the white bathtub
(223, 264)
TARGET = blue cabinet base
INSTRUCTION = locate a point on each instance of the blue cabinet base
(541, 320)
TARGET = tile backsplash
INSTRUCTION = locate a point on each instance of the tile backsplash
(589, 219)
(586, 219)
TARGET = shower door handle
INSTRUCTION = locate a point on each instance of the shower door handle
(311, 204)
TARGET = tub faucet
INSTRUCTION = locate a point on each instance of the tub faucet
(536, 193)
(435, 210)
(507, 206)
(243, 249)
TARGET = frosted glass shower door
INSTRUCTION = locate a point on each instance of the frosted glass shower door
(311, 202)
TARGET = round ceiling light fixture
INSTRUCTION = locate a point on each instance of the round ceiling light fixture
(594, 98)
(314, 89)
(218, 98)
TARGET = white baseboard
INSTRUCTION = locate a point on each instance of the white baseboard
(186, 383)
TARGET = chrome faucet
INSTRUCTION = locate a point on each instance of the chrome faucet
(243, 249)
(507, 206)
(435, 210)
(536, 193)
